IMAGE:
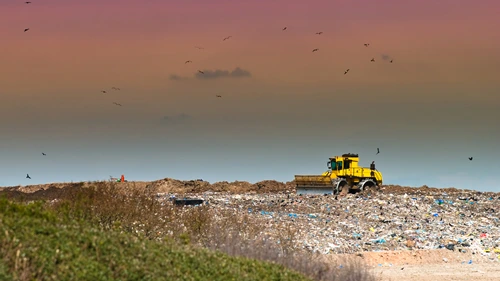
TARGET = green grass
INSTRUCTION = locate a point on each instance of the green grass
(36, 243)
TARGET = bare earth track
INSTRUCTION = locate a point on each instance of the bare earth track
(441, 264)
(429, 264)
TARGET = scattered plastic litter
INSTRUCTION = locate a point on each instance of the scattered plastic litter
(462, 221)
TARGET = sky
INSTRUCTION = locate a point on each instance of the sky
(284, 109)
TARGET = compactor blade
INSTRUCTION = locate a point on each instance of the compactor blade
(316, 184)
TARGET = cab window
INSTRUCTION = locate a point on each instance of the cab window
(339, 165)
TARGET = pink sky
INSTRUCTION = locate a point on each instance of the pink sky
(87, 44)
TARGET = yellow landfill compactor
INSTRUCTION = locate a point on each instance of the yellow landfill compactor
(343, 174)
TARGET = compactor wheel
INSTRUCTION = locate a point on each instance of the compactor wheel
(342, 187)
(345, 189)
(368, 185)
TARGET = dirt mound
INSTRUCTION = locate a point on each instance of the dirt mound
(397, 189)
(47, 192)
(42, 187)
(169, 185)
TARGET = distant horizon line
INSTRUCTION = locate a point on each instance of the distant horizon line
(215, 182)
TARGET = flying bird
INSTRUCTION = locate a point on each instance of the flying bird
(201, 72)
(226, 38)
(319, 33)
(346, 71)
(188, 61)
(373, 59)
(470, 158)
(367, 44)
(378, 151)
(391, 61)
(315, 50)
(115, 88)
(43, 153)
(26, 29)
(117, 103)
(27, 2)
(28, 176)
(218, 96)
(284, 28)
(103, 91)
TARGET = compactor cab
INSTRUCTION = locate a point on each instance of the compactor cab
(345, 161)
(343, 174)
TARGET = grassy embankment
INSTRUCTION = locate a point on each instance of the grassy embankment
(105, 233)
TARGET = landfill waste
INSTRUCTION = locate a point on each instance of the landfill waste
(374, 222)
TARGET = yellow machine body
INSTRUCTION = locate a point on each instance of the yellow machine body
(344, 173)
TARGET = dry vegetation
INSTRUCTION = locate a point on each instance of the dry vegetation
(140, 212)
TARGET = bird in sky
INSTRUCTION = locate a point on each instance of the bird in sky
(284, 28)
(378, 151)
(26, 29)
(117, 103)
(28, 176)
(103, 91)
(391, 61)
(115, 88)
(346, 71)
(188, 61)
(201, 72)
(226, 38)
(319, 33)
(470, 158)
(315, 50)
(372, 60)
(218, 96)
(367, 44)
(27, 2)
(43, 154)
